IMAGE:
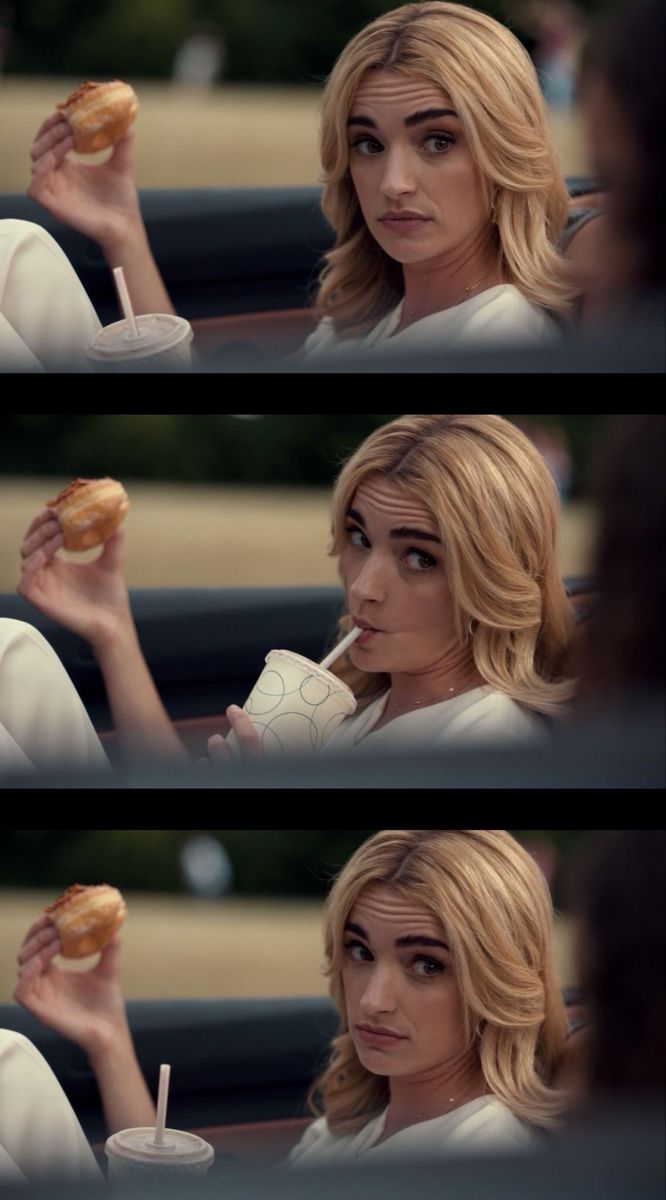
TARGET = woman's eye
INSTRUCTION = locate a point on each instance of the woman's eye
(439, 143)
(427, 968)
(420, 561)
(356, 537)
(366, 145)
(357, 952)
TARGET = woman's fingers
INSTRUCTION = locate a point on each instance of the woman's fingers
(218, 751)
(42, 556)
(40, 932)
(51, 134)
(248, 737)
(46, 532)
(38, 961)
(46, 514)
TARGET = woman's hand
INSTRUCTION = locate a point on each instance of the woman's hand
(99, 201)
(89, 598)
(85, 1006)
(249, 742)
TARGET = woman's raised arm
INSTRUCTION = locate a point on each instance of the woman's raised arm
(100, 201)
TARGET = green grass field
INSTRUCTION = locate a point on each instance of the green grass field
(233, 136)
(209, 535)
(183, 946)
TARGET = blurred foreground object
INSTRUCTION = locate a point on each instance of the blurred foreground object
(619, 897)
(622, 96)
(621, 649)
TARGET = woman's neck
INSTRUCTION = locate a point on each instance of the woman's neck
(413, 1102)
(436, 286)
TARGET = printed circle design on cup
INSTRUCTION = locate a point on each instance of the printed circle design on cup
(287, 731)
(269, 692)
(314, 691)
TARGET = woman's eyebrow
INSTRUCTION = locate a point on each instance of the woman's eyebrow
(419, 939)
(408, 939)
(416, 118)
(404, 531)
(429, 114)
(350, 927)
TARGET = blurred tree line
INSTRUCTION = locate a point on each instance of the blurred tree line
(278, 862)
(287, 41)
(302, 450)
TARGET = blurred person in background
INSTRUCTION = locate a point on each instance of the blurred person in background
(447, 532)
(438, 946)
(441, 182)
(558, 40)
(551, 442)
(200, 60)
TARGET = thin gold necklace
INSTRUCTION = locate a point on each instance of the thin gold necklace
(432, 1116)
(409, 312)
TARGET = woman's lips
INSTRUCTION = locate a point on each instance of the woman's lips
(366, 636)
(371, 1038)
(404, 224)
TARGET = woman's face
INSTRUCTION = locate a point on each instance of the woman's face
(393, 568)
(418, 187)
(404, 1008)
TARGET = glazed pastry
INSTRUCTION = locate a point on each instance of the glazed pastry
(87, 918)
(99, 113)
(89, 510)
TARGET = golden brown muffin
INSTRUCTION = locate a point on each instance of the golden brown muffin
(89, 510)
(99, 113)
(87, 918)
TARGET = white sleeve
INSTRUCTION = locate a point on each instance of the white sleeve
(46, 318)
(40, 1136)
(41, 713)
(316, 1135)
(322, 338)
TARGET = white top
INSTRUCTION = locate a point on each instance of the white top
(500, 315)
(482, 1125)
(40, 1136)
(43, 723)
(480, 715)
(46, 318)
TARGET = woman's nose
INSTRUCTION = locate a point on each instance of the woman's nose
(398, 178)
(379, 993)
(370, 583)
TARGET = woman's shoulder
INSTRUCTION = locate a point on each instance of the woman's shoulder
(490, 1123)
(506, 311)
(486, 714)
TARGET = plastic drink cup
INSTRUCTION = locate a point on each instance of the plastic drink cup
(295, 705)
(135, 1152)
(163, 344)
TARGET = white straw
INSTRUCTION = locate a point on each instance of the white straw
(125, 302)
(162, 1096)
(341, 647)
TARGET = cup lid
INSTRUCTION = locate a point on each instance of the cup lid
(157, 332)
(178, 1146)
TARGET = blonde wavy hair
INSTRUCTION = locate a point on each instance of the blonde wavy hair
(495, 906)
(494, 88)
(497, 509)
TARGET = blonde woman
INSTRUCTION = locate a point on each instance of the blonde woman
(438, 948)
(441, 183)
(443, 188)
(446, 528)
